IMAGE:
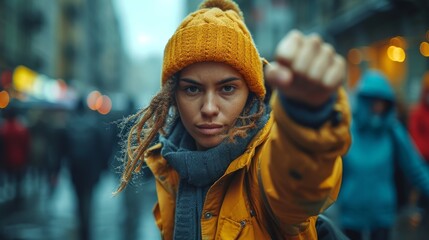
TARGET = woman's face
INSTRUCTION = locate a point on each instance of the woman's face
(210, 96)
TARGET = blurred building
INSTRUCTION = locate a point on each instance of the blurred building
(144, 79)
(90, 47)
(389, 35)
(77, 41)
(21, 22)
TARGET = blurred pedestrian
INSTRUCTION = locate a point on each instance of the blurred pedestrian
(419, 129)
(15, 139)
(368, 198)
(83, 149)
(226, 165)
(419, 120)
(40, 151)
(2, 162)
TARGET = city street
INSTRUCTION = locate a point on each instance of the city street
(52, 216)
(41, 216)
(329, 100)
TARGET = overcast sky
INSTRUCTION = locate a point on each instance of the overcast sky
(147, 25)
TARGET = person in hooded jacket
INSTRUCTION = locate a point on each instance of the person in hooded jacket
(227, 164)
(368, 198)
(16, 140)
(83, 150)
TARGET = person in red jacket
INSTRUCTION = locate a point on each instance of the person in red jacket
(419, 120)
(418, 126)
(16, 144)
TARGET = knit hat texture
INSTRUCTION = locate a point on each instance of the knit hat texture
(216, 32)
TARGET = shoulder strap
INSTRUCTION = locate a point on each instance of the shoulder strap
(271, 223)
(274, 226)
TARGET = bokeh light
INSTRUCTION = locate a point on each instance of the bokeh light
(105, 104)
(424, 49)
(23, 79)
(91, 100)
(396, 54)
(354, 56)
(4, 99)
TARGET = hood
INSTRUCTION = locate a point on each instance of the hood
(374, 84)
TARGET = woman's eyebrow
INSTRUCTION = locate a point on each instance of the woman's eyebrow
(190, 81)
(226, 80)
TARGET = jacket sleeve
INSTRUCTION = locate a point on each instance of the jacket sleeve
(300, 168)
(410, 160)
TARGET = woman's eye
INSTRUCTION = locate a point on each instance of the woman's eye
(228, 88)
(191, 90)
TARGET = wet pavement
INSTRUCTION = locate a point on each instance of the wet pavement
(51, 215)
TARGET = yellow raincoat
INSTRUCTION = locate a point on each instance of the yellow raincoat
(286, 177)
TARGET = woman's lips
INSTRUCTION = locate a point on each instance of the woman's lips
(210, 129)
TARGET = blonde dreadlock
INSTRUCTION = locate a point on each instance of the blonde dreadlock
(149, 122)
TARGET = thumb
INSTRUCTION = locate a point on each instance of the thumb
(278, 76)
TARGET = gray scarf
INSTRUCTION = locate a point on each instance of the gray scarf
(198, 170)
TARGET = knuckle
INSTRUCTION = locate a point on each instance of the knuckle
(295, 33)
(338, 63)
(314, 76)
(298, 68)
(328, 49)
(341, 61)
(294, 37)
(315, 39)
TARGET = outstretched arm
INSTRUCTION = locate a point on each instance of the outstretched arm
(300, 167)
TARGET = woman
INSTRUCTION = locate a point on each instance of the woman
(227, 165)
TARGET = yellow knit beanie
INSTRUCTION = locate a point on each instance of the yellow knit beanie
(216, 32)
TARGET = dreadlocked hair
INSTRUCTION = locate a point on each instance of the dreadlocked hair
(148, 122)
(247, 120)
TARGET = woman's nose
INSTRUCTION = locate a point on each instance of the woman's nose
(210, 107)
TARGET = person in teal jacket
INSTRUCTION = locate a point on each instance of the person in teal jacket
(368, 197)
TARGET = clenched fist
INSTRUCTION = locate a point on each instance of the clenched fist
(306, 69)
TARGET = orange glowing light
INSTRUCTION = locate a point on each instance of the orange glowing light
(106, 105)
(99, 102)
(91, 100)
(354, 56)
(396, 54)
(4, 99)
(424, 49)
